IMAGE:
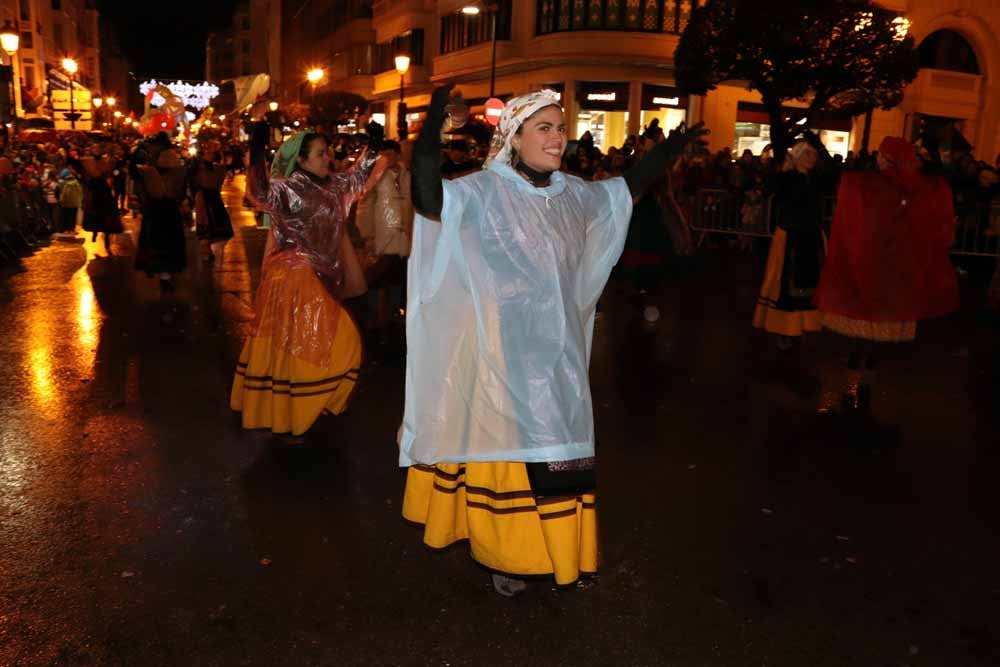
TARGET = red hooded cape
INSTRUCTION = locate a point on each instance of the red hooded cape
(888, 253)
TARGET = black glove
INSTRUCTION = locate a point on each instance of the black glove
(426, 190)
(376, 136)
(260, 137)
(654, 163)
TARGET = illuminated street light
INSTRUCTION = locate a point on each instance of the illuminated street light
(70, 66)
(98, 102)
(118, 114)
(315, 75)
(10, 41)
(493, 8)
(273, 106)
(111, 102)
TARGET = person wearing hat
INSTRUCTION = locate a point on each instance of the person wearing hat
(505, 271)
(212, 222)
(303, 353)
(888, 264)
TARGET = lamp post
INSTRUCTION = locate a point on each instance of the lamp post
(492, 8)
(97, 102)
(70, 66)
(10, 41)
(402, 66)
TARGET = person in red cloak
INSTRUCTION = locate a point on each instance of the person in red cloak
(887, 264)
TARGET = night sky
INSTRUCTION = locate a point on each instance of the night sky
(166, 39)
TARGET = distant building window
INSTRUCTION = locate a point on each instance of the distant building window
(26, 40)
(460, 31)
(663, 16)
(25, 10)
(246, 46)
(246, 23)
(948, 50)
(56, 4)
(57, 37)
(410, 43)
(246, 67)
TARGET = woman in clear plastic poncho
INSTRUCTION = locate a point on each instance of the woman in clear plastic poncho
(303, 352)
(504, 276)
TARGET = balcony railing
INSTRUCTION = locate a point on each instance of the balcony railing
(660, 16)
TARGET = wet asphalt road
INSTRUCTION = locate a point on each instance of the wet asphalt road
(742, 523)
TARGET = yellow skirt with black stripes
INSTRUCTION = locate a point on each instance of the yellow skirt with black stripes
(509, 529)
(294, 367)
(768, 314)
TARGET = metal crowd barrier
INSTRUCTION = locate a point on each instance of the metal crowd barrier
(717, 211)
(976, 232)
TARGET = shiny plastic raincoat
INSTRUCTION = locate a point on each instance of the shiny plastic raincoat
(501, 301)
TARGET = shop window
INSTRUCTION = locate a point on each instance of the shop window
(460, 31)
(948, 50)
(668, 16)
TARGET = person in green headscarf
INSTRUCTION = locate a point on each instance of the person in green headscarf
(304, 351)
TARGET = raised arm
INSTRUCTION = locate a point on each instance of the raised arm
(653, 165)
(259, 190)
(367, 171)
(426, 188)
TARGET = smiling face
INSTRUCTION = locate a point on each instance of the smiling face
(541, 139)
(317, 160)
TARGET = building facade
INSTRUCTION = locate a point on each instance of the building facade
(612, 61)
(51, 30)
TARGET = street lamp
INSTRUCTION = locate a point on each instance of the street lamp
(10, 41)
(314, 76)
(493, 8)
(70, 66)
(273, 106)
(402, 66)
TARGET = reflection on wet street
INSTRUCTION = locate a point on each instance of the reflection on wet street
(743, 520)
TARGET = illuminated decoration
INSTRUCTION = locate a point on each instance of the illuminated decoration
(198, 95)
(602, 97)
(902, 26)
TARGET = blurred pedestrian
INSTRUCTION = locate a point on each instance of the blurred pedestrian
(889, 263)
(784, 306)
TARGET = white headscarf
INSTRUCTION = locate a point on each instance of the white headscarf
(514, 113)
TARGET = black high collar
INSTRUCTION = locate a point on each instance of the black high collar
(537, 178)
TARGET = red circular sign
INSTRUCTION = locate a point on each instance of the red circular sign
(493, 109)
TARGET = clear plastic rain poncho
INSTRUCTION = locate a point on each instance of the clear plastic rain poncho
(308, 217)
(500, 312)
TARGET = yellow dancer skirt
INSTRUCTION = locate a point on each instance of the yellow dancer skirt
(303, 358)
(768, 315)
(510, 531)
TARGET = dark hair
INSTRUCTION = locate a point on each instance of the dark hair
(390, 145)
(307, 143)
